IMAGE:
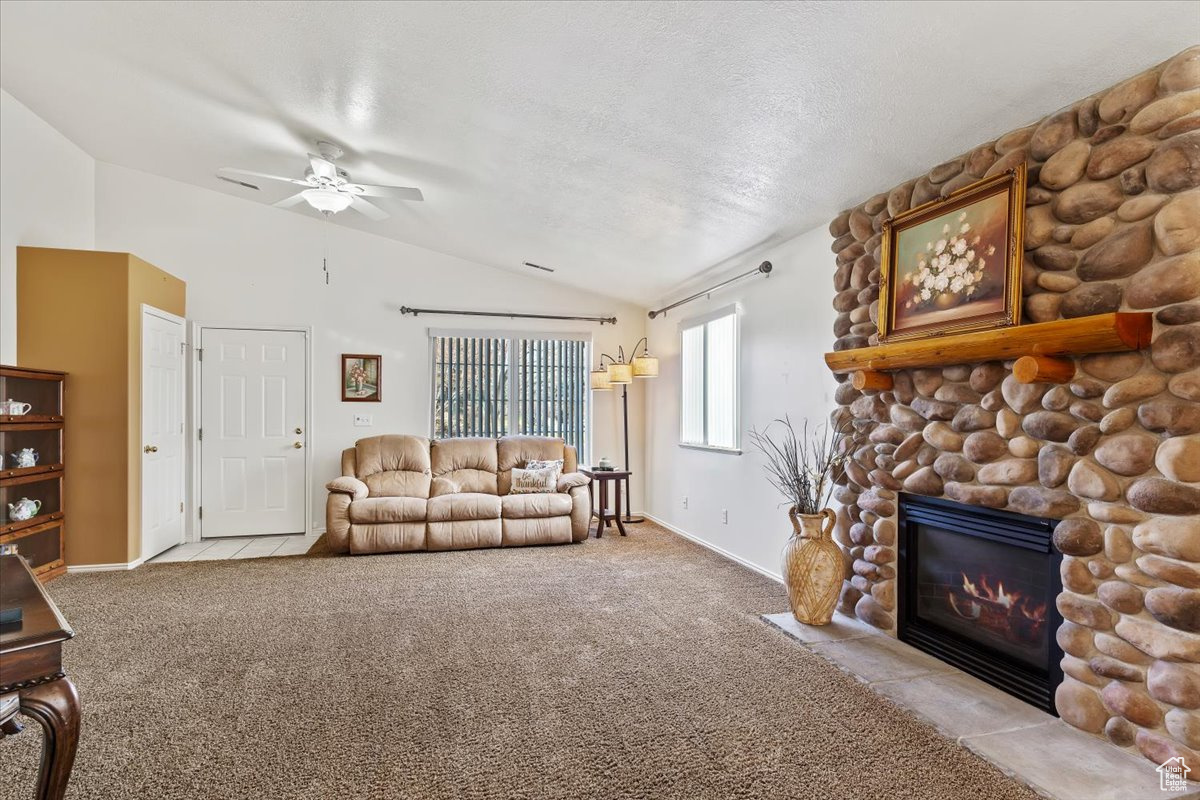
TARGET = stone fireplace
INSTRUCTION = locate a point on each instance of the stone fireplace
(978, 589)
(1111, 456)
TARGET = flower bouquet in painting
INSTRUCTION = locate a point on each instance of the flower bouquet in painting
(952, 270)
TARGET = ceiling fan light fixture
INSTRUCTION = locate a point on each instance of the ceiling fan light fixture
(327, 201)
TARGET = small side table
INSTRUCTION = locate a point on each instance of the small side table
(604, 477)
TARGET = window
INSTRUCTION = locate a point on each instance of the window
(495, 384)
(709, 361)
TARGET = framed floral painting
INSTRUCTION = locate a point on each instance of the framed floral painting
(360, 378)
(954, 265)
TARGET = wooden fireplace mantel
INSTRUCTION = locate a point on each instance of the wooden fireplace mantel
(1039, 349)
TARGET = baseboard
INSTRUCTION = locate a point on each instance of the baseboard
(104, 567)
(718, 550)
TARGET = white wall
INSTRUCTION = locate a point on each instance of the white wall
(47, 199)
(786, 326)
(246, 263)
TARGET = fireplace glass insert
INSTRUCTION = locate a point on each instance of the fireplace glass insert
(977, 590)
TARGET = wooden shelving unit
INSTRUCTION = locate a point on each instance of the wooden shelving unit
(40, 538)
(1038, 348)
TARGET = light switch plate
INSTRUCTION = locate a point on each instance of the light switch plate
(363, 421)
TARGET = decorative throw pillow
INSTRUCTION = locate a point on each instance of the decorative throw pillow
(556, 465)
(534, 481)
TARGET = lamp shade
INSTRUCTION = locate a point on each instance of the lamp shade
(600, 381)
(645, 366)
(620, 373)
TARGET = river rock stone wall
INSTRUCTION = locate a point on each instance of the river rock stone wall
(1112, 223)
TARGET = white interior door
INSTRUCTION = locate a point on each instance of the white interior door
(253, 409)
(162, 431)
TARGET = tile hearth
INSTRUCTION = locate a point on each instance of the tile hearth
(1032, 746)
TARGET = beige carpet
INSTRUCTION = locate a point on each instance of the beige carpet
(619, 668)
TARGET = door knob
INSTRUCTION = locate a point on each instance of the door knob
(149, 449)
(297, 446)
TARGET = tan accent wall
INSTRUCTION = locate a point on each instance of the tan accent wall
(79, 311)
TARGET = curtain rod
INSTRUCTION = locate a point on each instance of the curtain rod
(508, 315)
(765, 268)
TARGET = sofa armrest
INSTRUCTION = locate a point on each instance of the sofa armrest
(347, 485)
(581, 513)
(337, 521)
(569, 480)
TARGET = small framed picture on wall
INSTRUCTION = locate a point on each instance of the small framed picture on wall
(360, 378)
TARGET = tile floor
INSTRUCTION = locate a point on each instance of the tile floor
(1013, 736)
(238, 547)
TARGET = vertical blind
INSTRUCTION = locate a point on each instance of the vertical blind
(709, 402)
(496, 385)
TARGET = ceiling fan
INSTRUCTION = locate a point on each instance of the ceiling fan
(328, 188)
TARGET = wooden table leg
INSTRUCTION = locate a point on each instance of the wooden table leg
(603, 509)
(55, 706)
(620, 524)
(591, 502)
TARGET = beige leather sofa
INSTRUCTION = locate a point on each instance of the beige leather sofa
(402, 493)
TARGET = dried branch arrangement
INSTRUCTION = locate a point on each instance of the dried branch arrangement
(804, 467)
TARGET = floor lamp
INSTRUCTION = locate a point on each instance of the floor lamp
(622, 373)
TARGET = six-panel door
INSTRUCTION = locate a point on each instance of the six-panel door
(252, 437)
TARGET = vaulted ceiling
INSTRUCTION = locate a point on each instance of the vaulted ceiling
(631, 146)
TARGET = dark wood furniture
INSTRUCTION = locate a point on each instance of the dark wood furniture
(603, 477)
(31, 667)
(39, 538)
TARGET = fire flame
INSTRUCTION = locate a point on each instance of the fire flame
(1013, 601)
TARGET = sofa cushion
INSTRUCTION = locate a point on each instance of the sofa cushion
(393, 466)
(515, 451)
(554, 464)
(470, 505)
(532, 481)
(524, 506)
(463, 465)
(388, 509)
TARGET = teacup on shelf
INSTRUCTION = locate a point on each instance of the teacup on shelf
(14, 407)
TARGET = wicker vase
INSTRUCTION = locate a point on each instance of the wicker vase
(812, 567)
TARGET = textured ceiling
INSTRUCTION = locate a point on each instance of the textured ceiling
(631, 146)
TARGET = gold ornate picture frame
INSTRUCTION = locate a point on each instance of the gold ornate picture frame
(953, 265)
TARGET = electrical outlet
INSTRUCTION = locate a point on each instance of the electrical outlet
(725, 516)
(363, 421)
(685, 501)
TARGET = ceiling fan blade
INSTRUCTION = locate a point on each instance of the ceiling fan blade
(288, 202)
(368, 209)
(322, 167)
(236, 182)
(230, 172)
(401, 192)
